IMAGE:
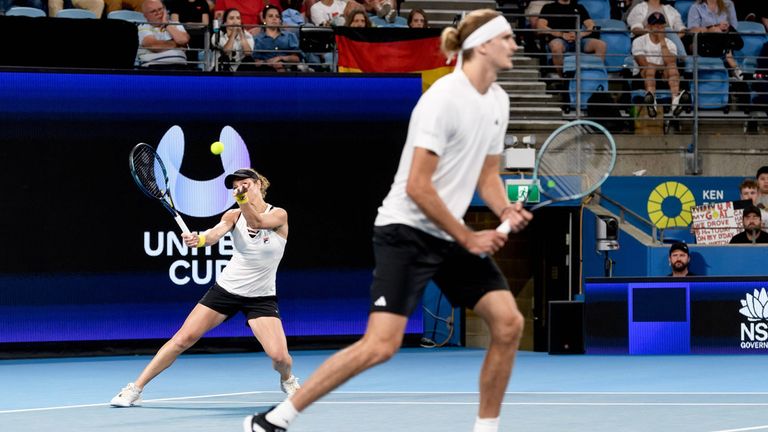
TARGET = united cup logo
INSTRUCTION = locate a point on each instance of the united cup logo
(754, 334)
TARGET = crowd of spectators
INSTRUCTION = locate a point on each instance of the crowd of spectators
(245, 35)
(713, 24)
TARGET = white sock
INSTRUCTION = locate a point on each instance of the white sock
(486, 425)
(283, 414)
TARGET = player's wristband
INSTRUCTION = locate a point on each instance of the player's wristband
(241, 198)
(201, 240)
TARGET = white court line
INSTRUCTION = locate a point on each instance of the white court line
(184, 398)
(744, 429)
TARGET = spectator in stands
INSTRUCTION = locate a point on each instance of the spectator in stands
(560, 31)
(234, 43)
(716, 17)
(679, 259)
(749, 192)
(752, 233)
(385, 10)
(161, 42)
(358, 18)
(657, 58)
(326, 13)
(293, 19)
(533, 10)
(95, 6)
(762, 187)
(113, 5)
(417, 18)
(191, 12)
(638, 16)
(272, 43)
(250, 12)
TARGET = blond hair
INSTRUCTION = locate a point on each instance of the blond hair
(452, 37)
(264, 184)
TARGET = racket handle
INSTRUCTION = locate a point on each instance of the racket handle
(181, 223)
(505, 227)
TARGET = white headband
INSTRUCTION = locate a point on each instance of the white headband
(486, 32)
(481, 35)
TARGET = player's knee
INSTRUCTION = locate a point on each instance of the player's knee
(510, 329)
(183, 341)
(380, 352)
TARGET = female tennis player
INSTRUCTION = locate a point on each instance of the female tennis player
(454, 145)
(247, 284)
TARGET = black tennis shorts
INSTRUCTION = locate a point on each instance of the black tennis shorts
(406, 260)
(226, 303)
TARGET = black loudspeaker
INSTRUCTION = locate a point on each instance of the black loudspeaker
(566, 327)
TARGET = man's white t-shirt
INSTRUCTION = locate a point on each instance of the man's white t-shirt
(460, 125)
(643, 45)
(321, 13)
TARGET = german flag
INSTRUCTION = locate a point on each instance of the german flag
(393, 50)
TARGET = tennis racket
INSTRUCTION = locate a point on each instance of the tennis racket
(572, 163)
(148, 171)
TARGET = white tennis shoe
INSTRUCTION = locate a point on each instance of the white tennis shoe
(290, 385)
(129, 396)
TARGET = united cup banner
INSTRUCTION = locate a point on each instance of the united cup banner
(715, 224)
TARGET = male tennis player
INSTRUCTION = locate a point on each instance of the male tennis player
(455, 140)
(247, 284)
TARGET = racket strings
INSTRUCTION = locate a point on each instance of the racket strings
(575, 162)
(149, 171)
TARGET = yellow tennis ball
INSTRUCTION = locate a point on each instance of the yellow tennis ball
(551, 184)
(217, 147)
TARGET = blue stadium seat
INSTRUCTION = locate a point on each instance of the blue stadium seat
(593, 76)
(127, 15)
(618, 41)
(713, 83)
(754, 37)
(598, 9)
(76, 13)
(25, 11)
(682, 6)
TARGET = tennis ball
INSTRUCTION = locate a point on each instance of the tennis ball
(217, 147)
(550, 183)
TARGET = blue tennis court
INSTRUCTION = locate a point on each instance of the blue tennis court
(420, 390)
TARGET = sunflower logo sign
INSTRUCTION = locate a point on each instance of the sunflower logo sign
(669, 205)
(754, 333)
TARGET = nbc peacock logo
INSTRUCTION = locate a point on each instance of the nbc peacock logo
(754, 333)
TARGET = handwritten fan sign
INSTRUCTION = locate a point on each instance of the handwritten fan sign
(715, 224)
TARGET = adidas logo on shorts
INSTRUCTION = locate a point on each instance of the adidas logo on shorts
(381, 302)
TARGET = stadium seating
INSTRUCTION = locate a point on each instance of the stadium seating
(713, 83)
(127, 15)
(754, 37)
(618, 41)
(593, 75)
(76, 13)
(598, 9)
(25, 11)
(683, 6)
